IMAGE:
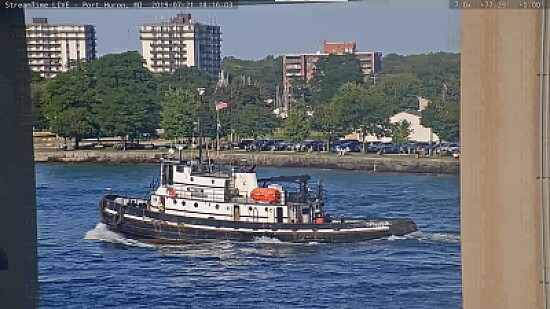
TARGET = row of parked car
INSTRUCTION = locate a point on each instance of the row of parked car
(348, 146)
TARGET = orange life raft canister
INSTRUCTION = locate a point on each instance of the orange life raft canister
(270, 195)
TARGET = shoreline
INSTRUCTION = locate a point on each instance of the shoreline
(387, 163)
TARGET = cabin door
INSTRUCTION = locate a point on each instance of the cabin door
(279, 215)
(236, 213)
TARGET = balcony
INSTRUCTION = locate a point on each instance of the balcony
(291, 60)
(290, 74)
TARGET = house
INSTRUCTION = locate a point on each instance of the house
(419, 133)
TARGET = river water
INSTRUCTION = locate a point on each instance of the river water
(83, 265)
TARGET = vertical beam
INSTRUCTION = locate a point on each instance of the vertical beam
(18, 283)
(500, 140)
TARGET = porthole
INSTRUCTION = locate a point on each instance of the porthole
(217, 206)
(250, 208)
(196, 204)
(182, 203)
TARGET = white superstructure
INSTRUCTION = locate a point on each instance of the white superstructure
(185, 190)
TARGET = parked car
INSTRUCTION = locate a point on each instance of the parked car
(244, 144)
(120, 145)
(374, 147)
(456, 154)
(454, 147)
(354, 147)
(389, 148)
(335, 146)
(270, 145)
(312, 145)
(424, 148)
(409, 148)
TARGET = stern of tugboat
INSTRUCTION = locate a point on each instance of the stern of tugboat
(400, 227)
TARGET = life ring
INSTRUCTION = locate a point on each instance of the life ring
(172, 192)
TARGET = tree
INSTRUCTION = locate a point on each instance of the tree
(401, 132)
(396, 64)
(179, 113)
(444, 119)
(267, 71)
(402, 90)
(74, 123)
(72, 90)
(251, 120)
(333, 71)
(186, 78)
(433, 70)
(365, 109)
(115, 93)
(39, 120)
(238, 95)
(297, 126)
(126, 94)
(328, 120)
(300, 90)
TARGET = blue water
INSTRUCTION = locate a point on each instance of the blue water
(83, 265)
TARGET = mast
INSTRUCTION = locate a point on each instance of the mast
(199, 124)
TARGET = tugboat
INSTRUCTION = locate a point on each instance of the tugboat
(196, 202)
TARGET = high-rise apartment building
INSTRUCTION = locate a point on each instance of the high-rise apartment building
(299, 67)
(302, 66)
(52, 48)
(181, 42)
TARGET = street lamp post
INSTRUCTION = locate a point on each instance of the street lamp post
(199, 126)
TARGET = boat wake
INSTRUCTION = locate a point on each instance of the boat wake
(101, 233)
(430, 237)
(266, 240)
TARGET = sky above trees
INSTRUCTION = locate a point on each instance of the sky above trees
(253, 32)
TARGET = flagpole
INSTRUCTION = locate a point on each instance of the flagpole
(217, 133)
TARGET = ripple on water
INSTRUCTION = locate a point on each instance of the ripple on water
(84, 265)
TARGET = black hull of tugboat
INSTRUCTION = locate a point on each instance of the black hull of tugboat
(153, 227)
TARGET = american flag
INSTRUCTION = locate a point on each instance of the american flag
(221, 105)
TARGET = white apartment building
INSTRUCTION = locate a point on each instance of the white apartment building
(52, 48)
(181, 42)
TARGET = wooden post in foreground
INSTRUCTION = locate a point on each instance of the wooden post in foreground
(500, 140)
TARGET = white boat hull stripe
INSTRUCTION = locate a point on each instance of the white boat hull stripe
(225, 229)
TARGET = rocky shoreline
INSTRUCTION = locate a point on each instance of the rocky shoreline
(321, 161)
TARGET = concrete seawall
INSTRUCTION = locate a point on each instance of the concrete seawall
(352, 162)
